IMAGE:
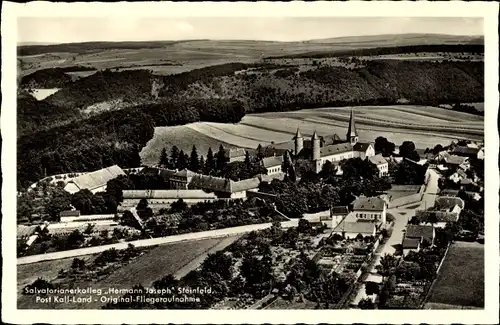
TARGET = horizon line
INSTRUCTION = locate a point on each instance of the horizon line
(241, 40)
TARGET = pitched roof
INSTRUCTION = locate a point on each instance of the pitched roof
(351, 131)
(185, 173)
(361, 146)
(377, 160)
(419, 231)
(455, 160)
(355, 227)
(234, 153)
(244, 185)
(69, 213)
(298, 134)
(466, 181)
(448, 202)
(411, 243)
(25, 231)
(339, 210)
(462, 150)
(272, 161)
(440, 216)
(369, 204)
(167, 194)
(97, 178)
(216, 184)
(315, 136)
(334, 149)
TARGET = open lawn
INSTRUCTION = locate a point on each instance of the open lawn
(425, 126)
(178, 259)
(460, 281)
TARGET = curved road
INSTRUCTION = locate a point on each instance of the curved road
(402, 215)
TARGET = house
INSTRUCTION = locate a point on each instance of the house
(410, 245)
(181, 179)
(237, 154)
(224, 188)
(381, 163)
(69, 214)
(165, 197)
(421, 233)
(272, 164)
(456, 161)
(370, 209)
(95, 181)
(435, 218)
(449, 204)
(466, 151)
(458, 176)
(337, 214)
(472, 195)
(352, 229)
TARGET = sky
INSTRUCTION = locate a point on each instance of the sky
(82, 29)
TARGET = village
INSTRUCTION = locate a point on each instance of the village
(375, 219)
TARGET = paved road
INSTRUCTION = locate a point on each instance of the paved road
(402, 216)
(154, 241)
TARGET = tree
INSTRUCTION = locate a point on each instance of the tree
(260, 152)
(89, 229)
(182, 161)
(77, 263)
(247, 159)
(406, 148)
(384, 147)
(366, 303)
(221, 159)
(387, 265)
(75, 239)
(210, 163)
(174, 157)
(202, 164)
(178, 206)
(59, 200)
(304, 226)
(163, 158)
(194, 162)
(82, 200)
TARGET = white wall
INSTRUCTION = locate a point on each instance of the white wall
(273, 170)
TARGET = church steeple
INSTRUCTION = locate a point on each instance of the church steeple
(299, 142)
(352, 134)
(315, 146)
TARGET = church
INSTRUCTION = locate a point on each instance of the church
(318, 150)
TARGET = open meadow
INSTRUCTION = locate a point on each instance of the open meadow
(177, 259)
(460, 281)
(425, 126)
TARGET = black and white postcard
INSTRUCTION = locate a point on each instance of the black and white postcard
(250, 162)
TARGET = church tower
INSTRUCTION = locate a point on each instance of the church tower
(352, 134)
(315, 146)
(299, 142)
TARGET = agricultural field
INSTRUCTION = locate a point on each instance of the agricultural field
(425, 126)
(460, 281)
(178, 259)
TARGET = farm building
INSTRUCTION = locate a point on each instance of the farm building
(69, 214)
(337, 214)
(165, 197)
(370, 209)
(353, 229)
(473, 195)
(95, 181)
(85, 218)
(237, 154)
(410, 245)
(381, 163)
(438, 219)
(466, 151)
(449, 204)
(69, 227)
(272, 164)
(421, 233)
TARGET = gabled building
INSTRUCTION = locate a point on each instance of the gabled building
(237, 154)
(435, 218)
(95, 181)
(381, 163)
(370, 209)
(420, 233)
(352, 229)
(273, 165)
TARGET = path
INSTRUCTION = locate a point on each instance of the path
(154, 241)
(401, 217)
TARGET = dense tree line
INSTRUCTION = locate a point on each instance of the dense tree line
(47, 78)
(433, 48)
(110, 138)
